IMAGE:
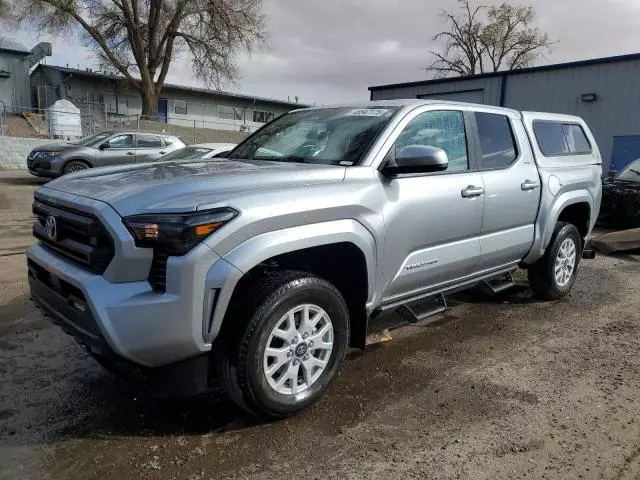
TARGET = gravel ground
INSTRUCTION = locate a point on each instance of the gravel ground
(499, 387)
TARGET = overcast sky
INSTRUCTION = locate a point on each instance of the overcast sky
(327, 51)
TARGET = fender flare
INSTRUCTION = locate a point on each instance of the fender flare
(256, 250)
(548, 217)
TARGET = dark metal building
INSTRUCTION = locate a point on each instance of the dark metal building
(604, 91)
(14, 74)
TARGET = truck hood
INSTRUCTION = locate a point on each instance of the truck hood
(183, 186)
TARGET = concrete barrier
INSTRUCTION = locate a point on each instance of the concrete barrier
(14, 151)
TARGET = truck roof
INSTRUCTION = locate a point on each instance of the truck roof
(408, 102)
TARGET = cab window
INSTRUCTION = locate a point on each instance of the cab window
(441, 129)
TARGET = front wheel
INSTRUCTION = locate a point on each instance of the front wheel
(552, 277)
(292, 347)
(75, 166)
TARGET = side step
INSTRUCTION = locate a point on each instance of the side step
(500, 284)
(419, 311)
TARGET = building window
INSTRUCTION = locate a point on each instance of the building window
(58, 91)
(180, 107)
(262, 117)
(497, 144)
(110, 103)
(230, 113)
(123, 105)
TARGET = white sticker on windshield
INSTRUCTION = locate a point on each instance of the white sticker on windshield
(367, 112)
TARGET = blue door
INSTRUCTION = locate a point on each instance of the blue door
(162, 110)
(626, 149)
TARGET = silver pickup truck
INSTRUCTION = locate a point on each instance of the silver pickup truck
(261, 269)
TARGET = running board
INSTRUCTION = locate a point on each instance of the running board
(419, 311)
(499, 284)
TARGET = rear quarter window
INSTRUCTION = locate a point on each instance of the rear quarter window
(557, 138)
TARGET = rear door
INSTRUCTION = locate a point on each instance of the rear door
(120, 150)
(149, 147)
(512, 188)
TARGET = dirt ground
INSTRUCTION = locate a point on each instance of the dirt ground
(500, 387)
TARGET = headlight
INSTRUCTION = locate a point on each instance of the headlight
(48, 154)
(176, 234)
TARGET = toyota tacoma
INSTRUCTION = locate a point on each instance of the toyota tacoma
(260, 270)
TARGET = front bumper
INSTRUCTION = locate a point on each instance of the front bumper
(129, 319)
(67, 307)
(46, 168)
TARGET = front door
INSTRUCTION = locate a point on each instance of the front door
(120, 150)
(512, 189)
(162, 110)
(433, 220)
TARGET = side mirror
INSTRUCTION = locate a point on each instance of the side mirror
(418, 159)
(104, 146)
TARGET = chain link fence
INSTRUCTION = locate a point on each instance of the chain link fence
(33, 122)
(193, 131)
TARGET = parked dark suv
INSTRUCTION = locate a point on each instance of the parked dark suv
(110, 147)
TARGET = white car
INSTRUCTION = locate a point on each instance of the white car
(198, 151)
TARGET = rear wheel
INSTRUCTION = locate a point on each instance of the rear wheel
(291, 348)
(552, 277)
(75, 166)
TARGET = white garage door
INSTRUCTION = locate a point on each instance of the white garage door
(469, 96)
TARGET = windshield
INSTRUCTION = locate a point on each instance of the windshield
(93, 140)
(332, 136)
(631, 173)
(187, 153)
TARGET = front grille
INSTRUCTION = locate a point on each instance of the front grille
(158, 272)
(35, 164)
(77, 236)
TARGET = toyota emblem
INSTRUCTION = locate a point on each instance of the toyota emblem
(51, 227)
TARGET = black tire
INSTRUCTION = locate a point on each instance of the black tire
(75, 166)
(542, 278)
(239, 355)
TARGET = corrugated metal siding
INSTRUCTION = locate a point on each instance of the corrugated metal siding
(490, 86)
(15, 89)
(616, 112)
(470, 96)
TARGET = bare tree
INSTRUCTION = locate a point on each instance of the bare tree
(141, 38)
(483, 39)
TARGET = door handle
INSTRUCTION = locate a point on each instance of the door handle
(162, 153)
(130, 153)
(472, 191)
(529, 185)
